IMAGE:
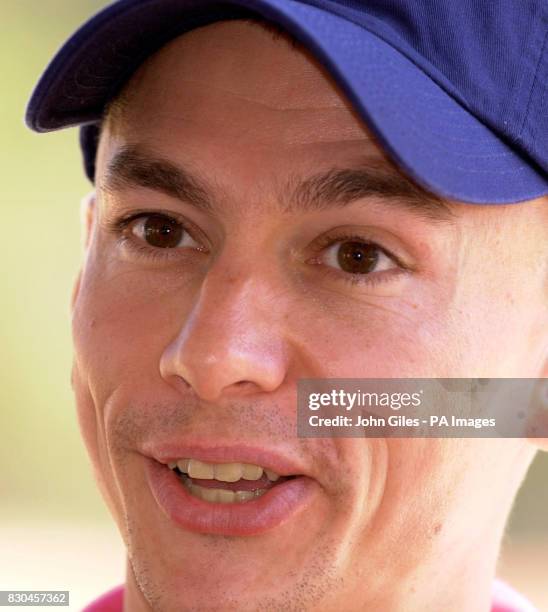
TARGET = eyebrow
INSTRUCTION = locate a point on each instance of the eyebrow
(335, 188)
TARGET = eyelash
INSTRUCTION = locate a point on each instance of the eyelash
(372, 279)
(118, 226)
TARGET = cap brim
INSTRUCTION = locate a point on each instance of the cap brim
(430, 135)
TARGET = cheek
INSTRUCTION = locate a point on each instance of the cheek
(93, 434)
(87, 417)
(379, 339)
(121, 326)
(429, 488)
(119, 335)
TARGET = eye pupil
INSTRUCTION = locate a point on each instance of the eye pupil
(357, 257)
(162, 232)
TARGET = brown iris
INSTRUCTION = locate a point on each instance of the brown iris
(357, 257)
(162, 232)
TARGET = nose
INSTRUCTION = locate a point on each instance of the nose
(230, 343)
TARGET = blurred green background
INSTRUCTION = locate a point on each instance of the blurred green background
(54, 529)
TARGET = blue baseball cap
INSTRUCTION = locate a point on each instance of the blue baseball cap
(456, 91)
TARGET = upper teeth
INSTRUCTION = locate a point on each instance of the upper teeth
(226, 472)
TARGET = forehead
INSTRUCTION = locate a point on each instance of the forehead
(235, 80)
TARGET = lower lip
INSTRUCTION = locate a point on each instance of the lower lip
(279, 504)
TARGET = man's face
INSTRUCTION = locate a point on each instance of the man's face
(248, 232)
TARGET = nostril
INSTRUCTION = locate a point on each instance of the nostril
(179, 383)
(242, 386)
(182, 381)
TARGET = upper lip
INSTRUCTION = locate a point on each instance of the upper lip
(218, 452)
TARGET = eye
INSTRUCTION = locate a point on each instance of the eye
(162, 232)
(358, 257)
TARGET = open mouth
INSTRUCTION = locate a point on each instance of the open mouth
(218, 495)
(225, 483)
